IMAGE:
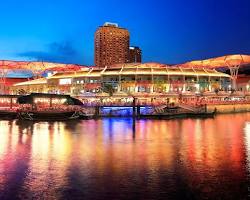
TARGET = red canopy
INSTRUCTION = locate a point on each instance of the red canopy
(38, 66)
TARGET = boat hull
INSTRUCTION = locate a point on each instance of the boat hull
(5, 114)
(178, 115)
(48, 116)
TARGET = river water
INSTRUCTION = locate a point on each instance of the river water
(126, 159)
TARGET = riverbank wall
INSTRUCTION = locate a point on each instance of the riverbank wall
(226, 108)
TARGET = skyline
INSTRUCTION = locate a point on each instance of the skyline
(167, 32)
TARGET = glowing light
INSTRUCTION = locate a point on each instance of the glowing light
(65, 81)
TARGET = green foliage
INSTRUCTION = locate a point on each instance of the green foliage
(108, 88)
(21, 92)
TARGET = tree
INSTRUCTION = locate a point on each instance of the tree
(216, 91)
(108, 88)
(21, 92)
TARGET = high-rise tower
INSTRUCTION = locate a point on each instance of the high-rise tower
(111, 45)
(135, 55)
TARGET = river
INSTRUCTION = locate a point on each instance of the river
(126, 159)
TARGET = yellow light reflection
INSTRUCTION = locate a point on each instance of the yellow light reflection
(97, 148)
(247, 141)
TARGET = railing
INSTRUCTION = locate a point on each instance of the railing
(188, 105)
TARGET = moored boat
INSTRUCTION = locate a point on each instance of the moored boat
(8, 106)
(48, 107)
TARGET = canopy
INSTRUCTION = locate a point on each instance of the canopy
(219, 62)
(38, 66)
(67, 68)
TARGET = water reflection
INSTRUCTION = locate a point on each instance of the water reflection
(247, 139)
(126, 159)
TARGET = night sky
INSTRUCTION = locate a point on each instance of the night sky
(167, 31)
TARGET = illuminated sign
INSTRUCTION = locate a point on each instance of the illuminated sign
(65, 81)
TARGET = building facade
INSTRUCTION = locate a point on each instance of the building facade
(132, 78)
(135, 55)
(111, 45)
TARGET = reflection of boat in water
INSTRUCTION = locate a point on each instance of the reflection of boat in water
(49, 107)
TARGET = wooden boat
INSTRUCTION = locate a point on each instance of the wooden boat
(66, 108)
(8, 106)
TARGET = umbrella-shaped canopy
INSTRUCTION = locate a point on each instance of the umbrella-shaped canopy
(219, 62)
(38, 67)
(66, 68)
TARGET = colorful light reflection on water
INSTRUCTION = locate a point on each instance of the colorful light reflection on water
(123, 159)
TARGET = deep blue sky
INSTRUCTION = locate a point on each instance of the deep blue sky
(167, 31)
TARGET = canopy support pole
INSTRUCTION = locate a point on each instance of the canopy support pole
(234, 70)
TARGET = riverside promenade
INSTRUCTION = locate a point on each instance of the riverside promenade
(169, 105)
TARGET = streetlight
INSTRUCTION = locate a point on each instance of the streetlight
(247, 87)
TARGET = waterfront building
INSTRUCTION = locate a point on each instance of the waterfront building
(232, 63)
(129, 78)
(14, 72)
(135, 55)
(111, 45)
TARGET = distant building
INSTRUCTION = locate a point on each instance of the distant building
(111, 45)
(135, 55)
